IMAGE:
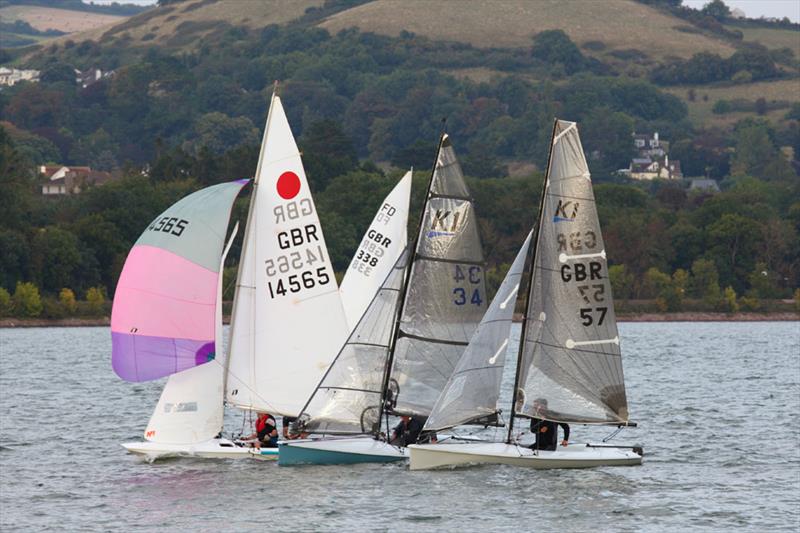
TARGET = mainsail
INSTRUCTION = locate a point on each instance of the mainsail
(348, 399)
(288, 319)
(570, 355)
(163, 320)
(446, 294)
(472, 391)
(379, 249)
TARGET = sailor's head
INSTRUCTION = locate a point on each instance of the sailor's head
(540, 404)
(405, 418)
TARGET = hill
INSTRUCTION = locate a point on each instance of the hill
(618, 24)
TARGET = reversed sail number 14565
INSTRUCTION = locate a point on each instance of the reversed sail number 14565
(296, 282)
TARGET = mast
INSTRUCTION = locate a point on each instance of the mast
(412, 255)
(242, 253)
(530, 284)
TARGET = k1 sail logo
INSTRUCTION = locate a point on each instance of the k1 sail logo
(563, 208)
(444, 223)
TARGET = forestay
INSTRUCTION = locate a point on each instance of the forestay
(446, 294)
(348, 399)
(162, 321)
(571, 356)
(288, 320)
(382, 244)
(472, 391)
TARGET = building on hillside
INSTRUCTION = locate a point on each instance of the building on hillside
(61, 180)
(11, 76)
(649, 169)
(649, 145)
(87, 77)
(703, 185)
(652, 159)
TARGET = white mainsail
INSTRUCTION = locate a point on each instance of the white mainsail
(190, 409)
(382, 244)
(288, 321)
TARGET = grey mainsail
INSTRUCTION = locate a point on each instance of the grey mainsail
(347, 400)
(570, 357)
(474, 388)
(446, 293)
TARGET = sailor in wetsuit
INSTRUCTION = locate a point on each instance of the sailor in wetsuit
(287, 429)
(545, 431)
(266, 432)
(408, 432)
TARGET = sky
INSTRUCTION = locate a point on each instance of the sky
(758, 8)
(752, 8)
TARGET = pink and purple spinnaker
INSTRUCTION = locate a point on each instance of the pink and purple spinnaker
(163, 319)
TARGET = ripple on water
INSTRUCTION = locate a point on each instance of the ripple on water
(695, 389)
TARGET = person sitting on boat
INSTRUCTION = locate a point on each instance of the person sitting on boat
(266, 432)
(546, 431)
(407, 431)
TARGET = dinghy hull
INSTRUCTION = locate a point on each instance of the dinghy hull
(429, 456)
(338, 451)
(211, 449)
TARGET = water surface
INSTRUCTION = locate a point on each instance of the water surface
(717, 404)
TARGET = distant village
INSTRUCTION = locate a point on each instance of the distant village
(84, 78)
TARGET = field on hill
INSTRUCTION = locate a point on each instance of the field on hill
(46, 18)
(619, 24)
(700, 111)
(773, 38)
(181, 25)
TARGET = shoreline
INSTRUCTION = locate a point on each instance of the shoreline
(683, 316)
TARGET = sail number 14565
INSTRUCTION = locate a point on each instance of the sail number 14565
(307, 279)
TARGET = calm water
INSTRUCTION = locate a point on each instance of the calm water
(718, 406)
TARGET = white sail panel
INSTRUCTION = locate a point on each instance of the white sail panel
(382, 244)
(190, 409)
(288, 320)
(446, 294)
(474, 387)
(571, 357)
(348, 399)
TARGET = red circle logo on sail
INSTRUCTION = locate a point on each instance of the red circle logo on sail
(288, 185)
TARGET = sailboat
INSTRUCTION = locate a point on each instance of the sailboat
(569, 366)
(171, 430)
(167, 321)
(406, 344)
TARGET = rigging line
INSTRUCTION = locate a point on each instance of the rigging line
(562, 347)
(572, 197)
(329, 387)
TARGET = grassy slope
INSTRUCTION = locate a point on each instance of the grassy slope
(45, 18)
(159, 26)
(620, 24)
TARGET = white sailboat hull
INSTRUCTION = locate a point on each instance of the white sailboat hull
(428, 456)
(210, 449)
(328, 451)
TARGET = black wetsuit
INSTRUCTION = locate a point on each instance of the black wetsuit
(287, 424)
(546, 433)
(407, 434)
